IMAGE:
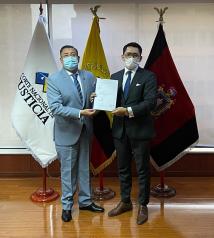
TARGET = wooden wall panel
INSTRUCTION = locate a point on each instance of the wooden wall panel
(26, 166)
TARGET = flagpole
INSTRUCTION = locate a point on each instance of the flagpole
(49, 15)
(101, 192)
(162, 190)
(101, 180)
(43, 194)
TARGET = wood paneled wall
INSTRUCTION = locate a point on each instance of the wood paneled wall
(26, 166)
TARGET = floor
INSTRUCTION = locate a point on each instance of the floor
(188, 214)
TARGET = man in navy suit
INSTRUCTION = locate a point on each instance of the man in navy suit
(133, 129)
(68, 94)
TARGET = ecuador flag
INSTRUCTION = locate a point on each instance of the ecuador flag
(94, 60)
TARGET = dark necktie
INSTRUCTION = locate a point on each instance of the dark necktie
(77, 84)
(127, 85)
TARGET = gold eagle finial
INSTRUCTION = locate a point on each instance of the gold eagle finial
(161, 12)
(94, 11)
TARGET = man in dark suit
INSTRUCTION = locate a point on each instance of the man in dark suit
(133, 129)
(68, 94)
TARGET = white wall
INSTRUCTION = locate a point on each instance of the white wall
(189, 32)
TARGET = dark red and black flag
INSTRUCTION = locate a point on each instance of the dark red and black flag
(175, 121)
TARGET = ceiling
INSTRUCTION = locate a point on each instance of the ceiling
(100, 1)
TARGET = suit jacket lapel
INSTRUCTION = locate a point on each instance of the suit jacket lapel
(120, 82)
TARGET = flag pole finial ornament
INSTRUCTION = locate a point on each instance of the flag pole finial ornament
(94, 11)
(40, 9)
(161, 12)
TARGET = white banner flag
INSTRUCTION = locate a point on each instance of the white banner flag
(31, 116)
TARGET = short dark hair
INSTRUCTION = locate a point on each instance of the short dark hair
(133, 44)
(67, 46)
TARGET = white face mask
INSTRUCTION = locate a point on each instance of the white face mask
(131, 63)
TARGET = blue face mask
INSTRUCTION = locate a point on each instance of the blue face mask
(70, 62)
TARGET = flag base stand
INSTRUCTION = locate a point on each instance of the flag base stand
(44, 194)
(162, 190)
(102, 193)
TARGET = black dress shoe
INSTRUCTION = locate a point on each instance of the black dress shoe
(66, 215)
(93, 208)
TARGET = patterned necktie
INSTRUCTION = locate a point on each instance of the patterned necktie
(77, 84)
(127, 85)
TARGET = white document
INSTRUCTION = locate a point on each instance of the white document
(106, 94)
